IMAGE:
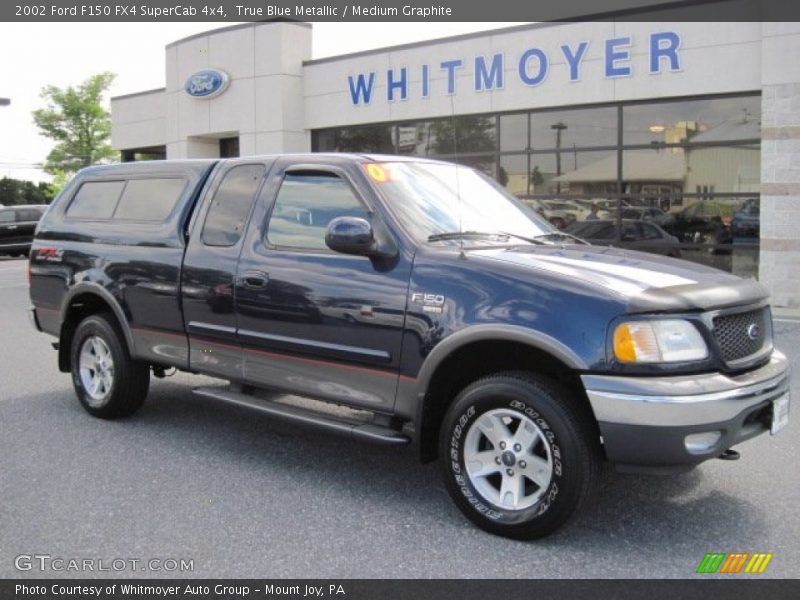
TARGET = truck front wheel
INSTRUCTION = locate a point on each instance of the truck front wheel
(107, 381)
(519, 454)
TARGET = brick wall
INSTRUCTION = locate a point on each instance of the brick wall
(779, 262)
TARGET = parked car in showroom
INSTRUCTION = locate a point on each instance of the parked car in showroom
(17, 224)
(398, 299)
(636, 235)
(647, 213)
(704, 222)
(746, 224)
(562, 213)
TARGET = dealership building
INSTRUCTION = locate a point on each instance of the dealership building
(694, 127)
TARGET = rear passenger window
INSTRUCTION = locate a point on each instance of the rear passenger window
(149, 199)
(305, 205)
(6, 216)
(96, 200)
(231, 204)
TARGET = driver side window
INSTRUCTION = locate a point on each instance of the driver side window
(306, 204)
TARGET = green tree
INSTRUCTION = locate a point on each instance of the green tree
(537, 179)
(77, 120)
(15, 191)
(502, 177)
(60, 179)
(463, 135)
(365, 139)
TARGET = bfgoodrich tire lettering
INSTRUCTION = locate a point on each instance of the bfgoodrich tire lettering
(107, 381)
(519, 454)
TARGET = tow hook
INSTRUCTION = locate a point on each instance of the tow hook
(729, 455)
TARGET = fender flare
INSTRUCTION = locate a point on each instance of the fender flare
(485, 332)
(88, 287)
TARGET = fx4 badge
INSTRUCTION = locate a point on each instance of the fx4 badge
(431, 303)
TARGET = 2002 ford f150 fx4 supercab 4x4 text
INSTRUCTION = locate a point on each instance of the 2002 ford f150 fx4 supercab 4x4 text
(424, 299)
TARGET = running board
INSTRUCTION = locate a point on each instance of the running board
(303, 416)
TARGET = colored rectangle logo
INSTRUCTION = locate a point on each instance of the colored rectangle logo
(734, 562)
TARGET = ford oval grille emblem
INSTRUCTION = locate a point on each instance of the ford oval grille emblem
(753, 331)
(206, 84)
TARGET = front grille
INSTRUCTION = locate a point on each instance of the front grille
(741, 335)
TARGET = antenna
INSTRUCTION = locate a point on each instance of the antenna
(458, 180)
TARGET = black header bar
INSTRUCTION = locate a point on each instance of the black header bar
(734, 588)
(397, 10)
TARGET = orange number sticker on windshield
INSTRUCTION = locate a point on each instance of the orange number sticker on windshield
(377, 173)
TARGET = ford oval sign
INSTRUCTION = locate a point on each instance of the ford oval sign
(206, 84)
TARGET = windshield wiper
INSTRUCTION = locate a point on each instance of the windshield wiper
(455, 235)
(562, 234)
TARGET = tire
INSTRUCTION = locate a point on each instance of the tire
(98, 354)
(559, 448)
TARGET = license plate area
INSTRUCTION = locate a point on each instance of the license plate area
(780, 413)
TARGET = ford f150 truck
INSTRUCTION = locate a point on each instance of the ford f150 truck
(405, 299)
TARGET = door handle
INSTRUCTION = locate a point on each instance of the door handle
(12, 227)
(253, 280)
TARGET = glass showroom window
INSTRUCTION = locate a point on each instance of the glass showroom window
(577, 128)
(367, 138)
(514, 134)
(418, 138)
(464, 135)
(702, 170)
(573, 172)
(515, 174)
(691, 167)
(692, 121)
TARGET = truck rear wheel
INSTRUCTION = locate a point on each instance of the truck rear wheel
(519, 454)
(107, 381)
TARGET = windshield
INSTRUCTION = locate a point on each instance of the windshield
(431, 199)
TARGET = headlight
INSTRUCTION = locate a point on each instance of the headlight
(671, 340)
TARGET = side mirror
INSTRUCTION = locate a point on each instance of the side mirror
(354, 235)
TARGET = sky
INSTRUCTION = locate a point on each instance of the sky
(33, 55)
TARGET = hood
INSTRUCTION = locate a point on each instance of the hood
(647, 281)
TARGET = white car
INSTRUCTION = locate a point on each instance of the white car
(561, 213)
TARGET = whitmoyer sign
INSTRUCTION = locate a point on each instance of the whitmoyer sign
(532, 66)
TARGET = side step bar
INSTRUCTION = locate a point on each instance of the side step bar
(295, 414)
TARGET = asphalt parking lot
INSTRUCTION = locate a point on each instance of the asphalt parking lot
(243, 496)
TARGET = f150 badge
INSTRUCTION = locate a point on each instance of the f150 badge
(431, 303)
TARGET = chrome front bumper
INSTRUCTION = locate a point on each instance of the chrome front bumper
(645, 420)
(686, 399)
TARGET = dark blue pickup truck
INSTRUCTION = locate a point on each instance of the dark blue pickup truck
(397, 300)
